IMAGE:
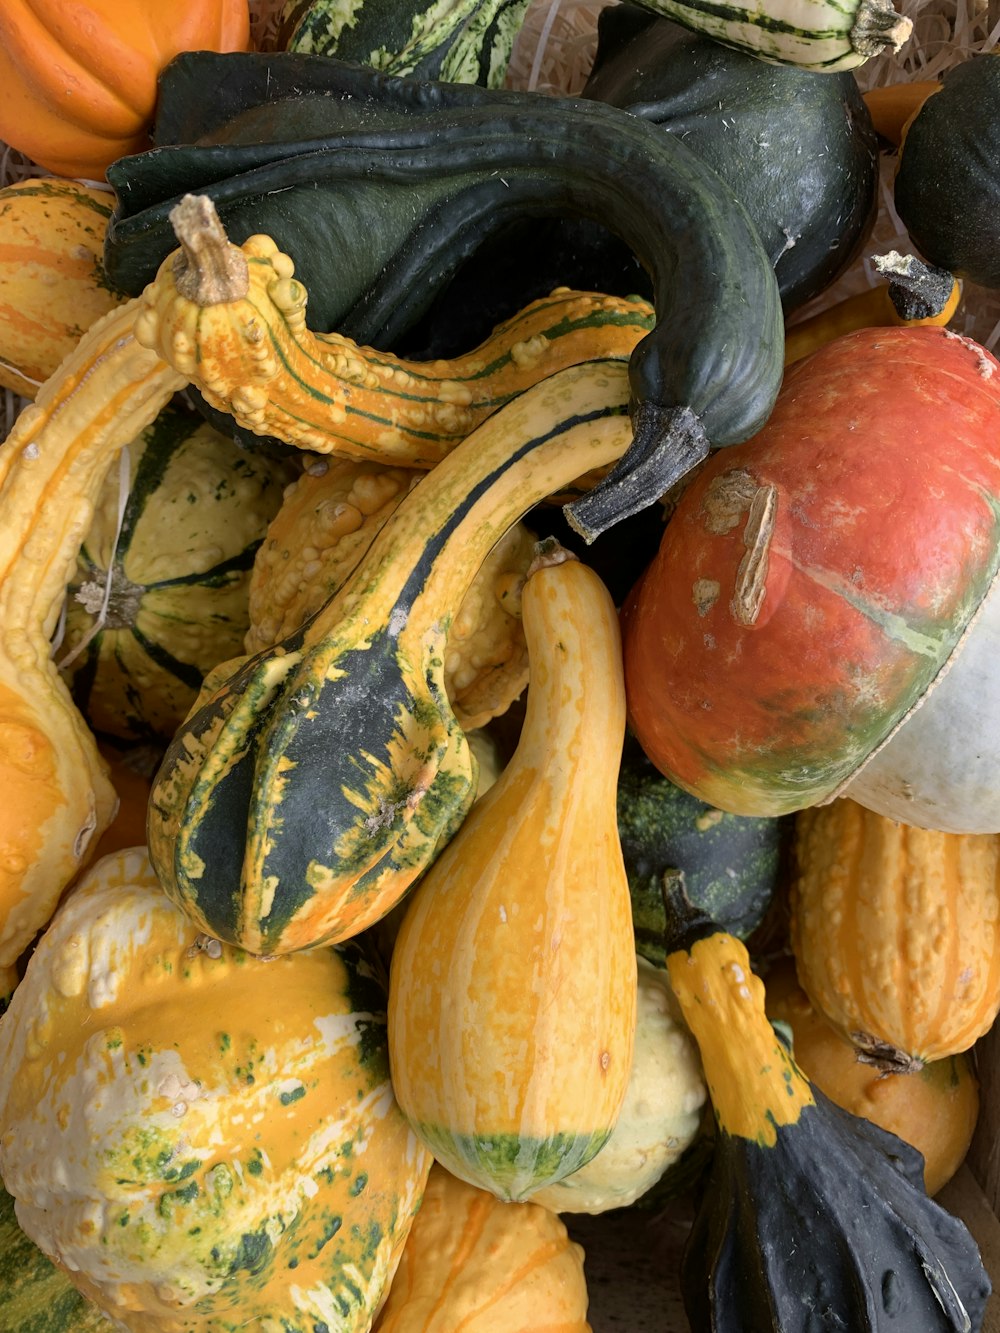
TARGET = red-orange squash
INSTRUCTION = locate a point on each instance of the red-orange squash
(78, 77)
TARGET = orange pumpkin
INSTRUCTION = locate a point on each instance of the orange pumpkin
(78, 77)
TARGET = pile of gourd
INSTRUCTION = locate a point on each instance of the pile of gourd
(490, 727)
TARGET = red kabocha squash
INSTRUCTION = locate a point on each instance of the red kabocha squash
(817, 581)
(78, 81)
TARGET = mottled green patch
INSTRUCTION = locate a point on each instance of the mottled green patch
(358, 1184)
(255, 1165)
(330, 1226)
(508, 1165)
(291, 1095)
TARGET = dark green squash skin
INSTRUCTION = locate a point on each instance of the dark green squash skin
(947, 185)
(408, 177)
(828, 1229)
(730, 864)
(469, 43)
(35, 1295)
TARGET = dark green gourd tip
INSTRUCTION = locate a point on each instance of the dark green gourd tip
(666, 444)
(686, 924)
(871, 1253)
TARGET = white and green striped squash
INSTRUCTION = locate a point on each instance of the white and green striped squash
(180, 548)
(202, 1138)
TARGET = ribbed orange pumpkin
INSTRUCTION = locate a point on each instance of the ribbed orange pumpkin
(934, 1109)
(78, 77)
(896, 932)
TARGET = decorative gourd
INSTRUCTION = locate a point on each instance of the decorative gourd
(871, 1253)
(730, 864)
(797, 610)
(474, 1263)
(946, 184)
(896, 932)
(823, 37)
(52, 467)
(451, 164)
(660, 1117)
(916, 294)
(512, 994)
(315, 781)
(178, 533)
(934, 1109)
(52, 280)
(78, 82)
(36, 1296)
(323, 393)
(203, 1139)
(893, 106)
(468, 42)
(327, 521)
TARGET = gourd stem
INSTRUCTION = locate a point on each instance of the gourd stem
(209, 270)
(918, 293)
(893, 107)
(667, 444)
(878, 27)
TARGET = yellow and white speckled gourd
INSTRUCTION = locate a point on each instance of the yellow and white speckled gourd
(203, 1139)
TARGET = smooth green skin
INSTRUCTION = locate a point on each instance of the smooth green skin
(729, 864)
(947, 186)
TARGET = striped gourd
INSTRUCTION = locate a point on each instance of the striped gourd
(328, 519)
(203, 1139)
(811, 34)
(178, 534)
(513, 992)
(52, 280)
(315, 780)
(35, 1295)
(465, 41)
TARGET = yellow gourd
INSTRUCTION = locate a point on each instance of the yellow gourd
(512, 994)
(475, 1264)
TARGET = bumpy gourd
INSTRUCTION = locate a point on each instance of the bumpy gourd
(896, 932)
(474, 1263)
(175, 538)
(203, 1139)
(512, 996)
(233, 321)
(35, 1295)
(934, 1109)
(52, 280)
(872, 1253)
(52, 468)
(328, 519)
(659, 1119)
(314, 781)
(78, 83)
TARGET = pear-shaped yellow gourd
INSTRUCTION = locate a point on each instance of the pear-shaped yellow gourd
(513, 983)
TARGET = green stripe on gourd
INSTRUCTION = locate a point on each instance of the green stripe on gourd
(820, 35)
(459, 41)
(35, 1295)
(196, 511)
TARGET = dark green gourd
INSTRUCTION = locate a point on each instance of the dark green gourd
(947, 185)
(378, 187)
(811, 1219)
(730, 864)
(796, 147)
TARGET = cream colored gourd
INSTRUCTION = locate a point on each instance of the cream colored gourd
(513, 982)
(475, 1264)
(203, 1139)
(659, 1119)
